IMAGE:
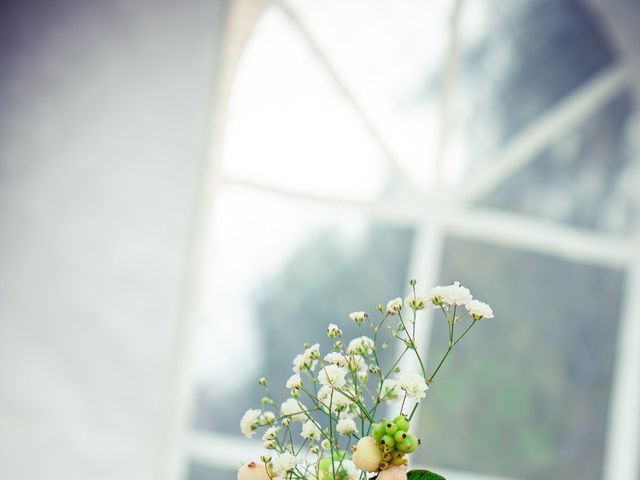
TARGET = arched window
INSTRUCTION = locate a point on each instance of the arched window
(488, 142)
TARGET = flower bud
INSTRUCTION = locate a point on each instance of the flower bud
(393, 473)
(262, 381)
(367, 456)
(253, 471)
(358, 317)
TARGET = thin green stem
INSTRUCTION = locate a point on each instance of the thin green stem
(465, 332)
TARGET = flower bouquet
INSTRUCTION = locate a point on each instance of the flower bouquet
(337, 398)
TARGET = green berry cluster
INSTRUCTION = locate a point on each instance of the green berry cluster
(394, 440)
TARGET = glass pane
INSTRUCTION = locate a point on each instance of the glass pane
(518, 60)
(288, 125)
(526, 394)
(280, 272)
(583, 180)
(388, 53)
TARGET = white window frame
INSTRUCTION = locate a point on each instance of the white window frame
(431, 225)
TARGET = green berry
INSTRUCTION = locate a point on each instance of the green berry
(413, 443)
(391, 428)
(402, 423)
(379, 431)
(400, 436)
(404, 446)
(388, 441)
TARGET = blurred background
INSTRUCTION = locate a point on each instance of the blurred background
(191, 190)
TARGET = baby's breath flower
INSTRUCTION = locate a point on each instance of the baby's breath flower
(358, 317)
(456, 294)
(361, 345)
(415, 302)
(394, 306)
(293, 409)
(346, 426)
(332, 398)
(389, 390)
(435, 297)
(249, 422)
(310, 430)
(358, 364)
(313, 352)
(268, 418)
(332, 375)
(269, 445)
(333, 331)
(413, 384)
(262, 381)
(270, 433)
(306, 360)
(283, 463)
(479, 310)
(335, 358)
(294, 381)
(325, 444)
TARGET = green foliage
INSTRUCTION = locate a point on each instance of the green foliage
(423, 475)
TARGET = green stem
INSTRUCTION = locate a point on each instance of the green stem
(465, 332)
(440, 364)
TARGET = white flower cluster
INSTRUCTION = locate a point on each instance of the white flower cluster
(333, 400)
(455, 295)
(307, 360)
(254, 418)
(333, 331)
(413, 384)
(283, 463)
(346, 425)
(310, 430)
(362, 346)
(332, 376)
(293, 409)
(358, 317)
(347, 386)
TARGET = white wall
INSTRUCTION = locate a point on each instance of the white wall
(104, 108)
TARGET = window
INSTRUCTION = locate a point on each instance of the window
(488, 142)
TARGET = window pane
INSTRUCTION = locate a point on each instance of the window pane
(525, 394)
(288, 124)
(584, 179)
(280, 272)
(518, 60)
(388, 52)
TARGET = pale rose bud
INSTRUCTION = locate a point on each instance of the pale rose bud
(393, 473)
(367, 455)
(253, 471)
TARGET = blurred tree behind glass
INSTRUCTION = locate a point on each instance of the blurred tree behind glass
(322, 283)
